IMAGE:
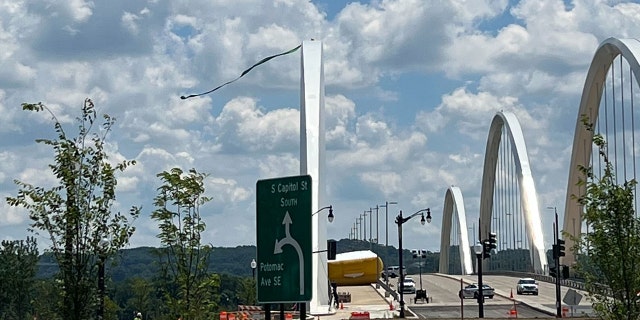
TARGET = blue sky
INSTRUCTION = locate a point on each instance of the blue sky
(411, 89)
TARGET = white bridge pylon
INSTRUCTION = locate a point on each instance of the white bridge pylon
(528, 194)
(312, 162)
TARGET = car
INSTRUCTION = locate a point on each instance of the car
(527, 285)
(393, 272)
(408, 286)
(471, 291)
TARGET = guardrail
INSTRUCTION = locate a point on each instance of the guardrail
(570, 283)
(392, 292)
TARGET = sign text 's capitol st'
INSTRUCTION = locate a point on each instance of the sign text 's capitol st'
(286, 188)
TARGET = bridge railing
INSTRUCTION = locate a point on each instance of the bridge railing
(392, 292)
(570, 283)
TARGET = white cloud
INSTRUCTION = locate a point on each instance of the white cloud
(243, 125)
(12, 216)
(80, 9)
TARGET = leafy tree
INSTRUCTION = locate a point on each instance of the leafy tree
(48, 299)
(18, 262)
(611, 258)
(247, 291)
(184, 259)
(76, 213)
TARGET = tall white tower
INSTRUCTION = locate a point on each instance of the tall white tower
(312, 162)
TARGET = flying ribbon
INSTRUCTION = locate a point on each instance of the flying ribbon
(243, 73)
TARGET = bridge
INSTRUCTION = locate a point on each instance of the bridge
(509, 204)
(444, 302)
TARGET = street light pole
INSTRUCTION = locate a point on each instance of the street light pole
(399, 221)
(101, 288)
(364, 216)
(370, 226)
(386, 219)
(103, 245)
(479, 250)
(377, 249)
(377, 229)
(386, 237)
(254, 265)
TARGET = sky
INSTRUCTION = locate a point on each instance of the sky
(411, 89)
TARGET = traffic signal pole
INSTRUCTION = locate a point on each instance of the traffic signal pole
(556, 258)
(480, 256)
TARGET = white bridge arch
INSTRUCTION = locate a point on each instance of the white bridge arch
(528, 194)
(528, 199)
(453, 202)
(583, 139)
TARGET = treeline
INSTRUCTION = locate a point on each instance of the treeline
(134, 284)
(142, 262)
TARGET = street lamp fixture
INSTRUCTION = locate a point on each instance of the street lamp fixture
(330, 216)
(399, 221)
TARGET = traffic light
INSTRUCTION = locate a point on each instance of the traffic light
(489, 244)
(553, 272)
(565, 272)
(331, 249)
(419, 253)
(486, 249)
(558, 249)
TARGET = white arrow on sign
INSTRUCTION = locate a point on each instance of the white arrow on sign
(292, 242)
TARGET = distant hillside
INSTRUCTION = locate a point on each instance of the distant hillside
(142, 261)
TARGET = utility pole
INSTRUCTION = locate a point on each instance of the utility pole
(364, 223)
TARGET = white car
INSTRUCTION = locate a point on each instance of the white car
(471, 291)
(409, 285)
(394, 271)
(527, 285)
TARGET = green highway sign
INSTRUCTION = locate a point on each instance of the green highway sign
(283, 214)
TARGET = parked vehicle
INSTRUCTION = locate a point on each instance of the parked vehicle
(408, 286)
(527, 285)
(471, 291)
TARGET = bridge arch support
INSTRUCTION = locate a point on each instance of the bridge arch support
(528, 194)
(590, 102)
(454, 203)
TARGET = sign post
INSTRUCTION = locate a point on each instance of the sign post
(283, 214)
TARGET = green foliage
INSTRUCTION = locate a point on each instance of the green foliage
(47, 299)
(76, 214)
(138, 295)
(17, 277)
(247, 292)
(190, 289)
(609, 252)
